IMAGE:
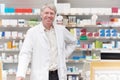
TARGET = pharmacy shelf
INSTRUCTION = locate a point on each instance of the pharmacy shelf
(73, 73)
(101, 49)
(74, 61)
(81, 60)
(20, 16)
(103, 38)
(14, 28)
(93, 26)
(6, 62)
(9, 50)
(3, 39)
(110, 50)
(88, 14)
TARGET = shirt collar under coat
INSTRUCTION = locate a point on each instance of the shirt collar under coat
(42, 28)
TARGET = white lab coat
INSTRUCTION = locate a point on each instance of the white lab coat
(36, 49)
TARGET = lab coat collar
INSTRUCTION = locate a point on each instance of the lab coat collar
(42, 28)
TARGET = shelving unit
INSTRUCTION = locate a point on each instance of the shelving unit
(75, 25)
(72, 63)
(9, 56)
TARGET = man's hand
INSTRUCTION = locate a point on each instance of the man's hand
(19, 78)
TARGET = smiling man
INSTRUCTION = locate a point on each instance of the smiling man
(47, 46)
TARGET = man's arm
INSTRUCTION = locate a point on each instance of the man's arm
(70, 41)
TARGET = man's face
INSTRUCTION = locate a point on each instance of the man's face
(48, 16)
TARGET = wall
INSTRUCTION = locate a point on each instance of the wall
(25, 3)
(92, 3)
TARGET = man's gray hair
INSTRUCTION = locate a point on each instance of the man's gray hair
(49, 5)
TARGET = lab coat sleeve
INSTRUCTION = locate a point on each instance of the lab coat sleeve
(70, 42)
(25, 55)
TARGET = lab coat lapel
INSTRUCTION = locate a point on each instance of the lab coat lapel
(42, 33)
(58, 36)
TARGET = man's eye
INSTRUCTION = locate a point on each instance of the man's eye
(51, 13)
(46, 13)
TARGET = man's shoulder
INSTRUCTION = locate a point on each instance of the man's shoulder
(35, 27)
(60, 26)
